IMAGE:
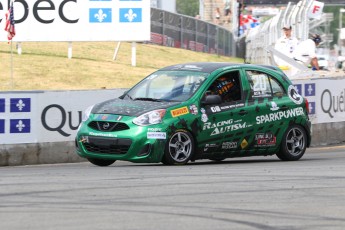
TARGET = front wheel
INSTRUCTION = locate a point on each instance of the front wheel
(179, 148)
(294, 144)
(100, 162)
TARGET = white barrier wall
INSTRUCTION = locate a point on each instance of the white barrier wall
(326, 98)
(45, 116)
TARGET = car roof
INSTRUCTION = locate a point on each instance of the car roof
(209, 67)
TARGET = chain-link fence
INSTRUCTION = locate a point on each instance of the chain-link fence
(180, 31)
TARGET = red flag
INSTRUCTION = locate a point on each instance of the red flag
(9, 27)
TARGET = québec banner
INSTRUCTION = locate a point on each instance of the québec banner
(78, 20)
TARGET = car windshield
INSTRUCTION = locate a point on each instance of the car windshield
(167, 86)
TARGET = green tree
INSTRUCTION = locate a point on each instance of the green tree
(187, 7)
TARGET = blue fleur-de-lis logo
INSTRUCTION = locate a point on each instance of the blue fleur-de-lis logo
(20, 126)
(130, 15)
(100, 15)
(20, 105)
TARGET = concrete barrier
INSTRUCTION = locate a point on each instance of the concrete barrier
(64, 152)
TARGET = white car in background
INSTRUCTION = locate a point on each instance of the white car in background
(323, 61)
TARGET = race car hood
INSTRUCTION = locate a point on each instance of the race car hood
(129, 107)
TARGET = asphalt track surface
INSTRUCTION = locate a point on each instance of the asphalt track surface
(243, 193)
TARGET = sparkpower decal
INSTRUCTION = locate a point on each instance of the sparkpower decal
(279, 115)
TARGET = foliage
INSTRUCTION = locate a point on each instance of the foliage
(187, 7)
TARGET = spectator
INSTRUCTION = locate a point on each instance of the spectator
(217, 16)
(305, 52)
(227, 10)
(286, 44)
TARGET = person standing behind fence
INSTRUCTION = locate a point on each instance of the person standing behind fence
(227, 10)
(217, 16)
(286, 44)
(305, 52)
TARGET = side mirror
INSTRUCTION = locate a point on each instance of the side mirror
(212, 100)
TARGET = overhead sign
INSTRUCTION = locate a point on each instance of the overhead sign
(315, 11)
(78, 20)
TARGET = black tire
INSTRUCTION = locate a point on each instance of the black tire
(179, 148)
(293, 145)
(100, 162)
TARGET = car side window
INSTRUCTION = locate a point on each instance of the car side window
(227, 86)
(263, 85)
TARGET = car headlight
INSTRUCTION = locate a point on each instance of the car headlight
(150, 118)
(87, 113)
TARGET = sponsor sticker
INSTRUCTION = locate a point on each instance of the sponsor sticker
(102, 134)
(229, 145)
(210, 146)
(244, 144)
(294, 95)
(156, 135)
(179, 112)
(204, 116)
(274, 106)
(265, 139)
(106, 117)
(193, 109)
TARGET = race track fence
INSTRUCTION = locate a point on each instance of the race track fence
(181, 31)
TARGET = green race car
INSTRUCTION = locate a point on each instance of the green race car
(199, 111)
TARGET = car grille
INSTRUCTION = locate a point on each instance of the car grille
(107, 145)
(108, 126)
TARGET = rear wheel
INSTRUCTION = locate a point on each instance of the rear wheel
(179, 148)
(294, 144)
(100, 162)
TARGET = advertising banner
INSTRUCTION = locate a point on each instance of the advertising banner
(46, 116)
(78, 20)
(326, 99)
